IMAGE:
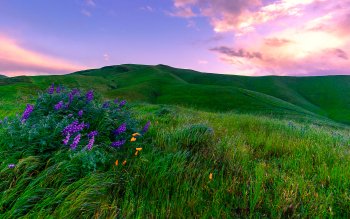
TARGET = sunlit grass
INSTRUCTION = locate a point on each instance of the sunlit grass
(259, 168)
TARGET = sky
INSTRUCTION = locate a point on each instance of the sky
(241, 37)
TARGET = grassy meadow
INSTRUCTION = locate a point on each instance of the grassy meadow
(218, 147)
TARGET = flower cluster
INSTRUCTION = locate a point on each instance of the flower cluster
(59, 105)
(29, 109)
(58, 89)
(75, 142)
(106, 105)
(120, 129)
(71, 95)
(11, 166)
(66, 140)
(73, 127)
(51, 89)
(146, 127)
(118, 144)
(92, 134)
(91, 137)
(90, 95)
(122, 103)
(80, 113)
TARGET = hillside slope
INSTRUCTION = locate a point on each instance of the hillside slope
(310, 98)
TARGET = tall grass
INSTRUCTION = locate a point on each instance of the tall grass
(261, 168)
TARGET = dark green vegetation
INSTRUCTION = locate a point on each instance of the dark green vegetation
(261, 166)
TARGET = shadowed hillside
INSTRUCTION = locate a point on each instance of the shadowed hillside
(320, 98)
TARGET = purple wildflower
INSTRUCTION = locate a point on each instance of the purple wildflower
(80, 113)
(75, 91)
(91, 143)
(72, 94)
(73, 128)
(90, 95)
(51, 89)
(75, 142)
(122, 103)
(70, 115)
(58, 89)
(11, 166)
(87, 125)
(146, 127)
(29, 109)
(92, 134)
(106, 105)
(66, 140)
(91, 137)
(116, 100)
(120, 129)
(59, 105)
(118, 144)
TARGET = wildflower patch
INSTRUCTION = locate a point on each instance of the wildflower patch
(77, 121)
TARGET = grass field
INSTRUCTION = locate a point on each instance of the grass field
(296, 164)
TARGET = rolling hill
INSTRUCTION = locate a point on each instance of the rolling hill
(305, 98)
(241, 147)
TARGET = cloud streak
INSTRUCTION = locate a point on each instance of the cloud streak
(16, 60)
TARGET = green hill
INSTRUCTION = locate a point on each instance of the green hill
(315, 98)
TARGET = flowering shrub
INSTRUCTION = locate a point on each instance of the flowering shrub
(74, 121)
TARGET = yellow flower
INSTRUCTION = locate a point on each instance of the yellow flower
(136, 153)
(133, 139)
(210, 176)
(124, 162)
(139, 149)
(136, 134)
(116, 162)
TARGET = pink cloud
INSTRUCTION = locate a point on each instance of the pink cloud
(16, 60)
(284, 37)
(276, 42)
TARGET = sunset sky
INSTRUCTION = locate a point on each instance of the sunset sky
(245, 37)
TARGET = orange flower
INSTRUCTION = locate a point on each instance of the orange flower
(133, 139)
(116, 162)
(139, 149)
(136, 153)
(136, 134)
(124, 162)
(210, 176)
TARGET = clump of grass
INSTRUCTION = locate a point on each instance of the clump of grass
(194, 137)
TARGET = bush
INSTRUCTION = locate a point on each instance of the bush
(194, 137)
(76, 121)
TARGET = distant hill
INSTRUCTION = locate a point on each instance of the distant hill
(2, 76)
(314, 98)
